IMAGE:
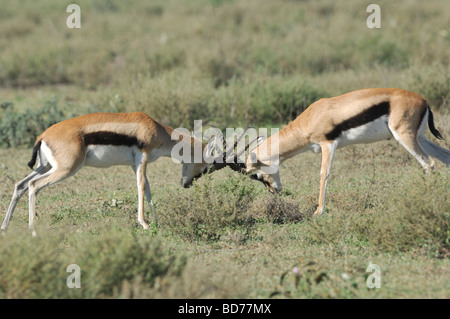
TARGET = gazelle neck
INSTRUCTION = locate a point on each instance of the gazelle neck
(165, 141)
(176, 140)
(291, 140)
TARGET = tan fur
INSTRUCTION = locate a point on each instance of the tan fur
(308, 131)
(63, 151)
(136, 124)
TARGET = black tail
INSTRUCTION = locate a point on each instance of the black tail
(431, 125)
(34, 156)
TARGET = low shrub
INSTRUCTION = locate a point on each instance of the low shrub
(21, 129)
(433, 83)
(210, 210)
(420, 221)
(277, 210)
(417, 221)
(37, 267)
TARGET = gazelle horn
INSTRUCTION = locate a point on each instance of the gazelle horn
(230, 149)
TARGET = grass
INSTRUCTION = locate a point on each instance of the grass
(240, 242)
(234, 63)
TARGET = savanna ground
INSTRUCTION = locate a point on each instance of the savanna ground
(233, 63)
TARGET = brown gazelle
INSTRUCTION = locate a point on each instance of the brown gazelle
(362, 116)
(104, 140)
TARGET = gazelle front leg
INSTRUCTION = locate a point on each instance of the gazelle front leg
(328, 151)
(141, 167)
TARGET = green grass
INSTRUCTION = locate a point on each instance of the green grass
(233, 63)
(239, 241)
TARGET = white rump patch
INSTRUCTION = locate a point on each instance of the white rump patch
(46, 156)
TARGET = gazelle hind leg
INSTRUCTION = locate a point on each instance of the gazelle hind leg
(19, 189)
(328, 151)
(36, 184)
(410, 142)
(141, 167)
(64, 165)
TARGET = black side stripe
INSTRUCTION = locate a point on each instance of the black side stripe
(371, 114)
(111, 138)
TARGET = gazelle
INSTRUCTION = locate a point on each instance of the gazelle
(103, 140)
(362, 116)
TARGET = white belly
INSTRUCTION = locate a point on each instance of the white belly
(109, 155)
(371, 132)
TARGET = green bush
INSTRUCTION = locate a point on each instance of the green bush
(21, 129)
(288, 100)
(433, 83)
(313, 280)
(210, 210)
(377, 50)
(108, 260)
(31, 267)
(113, 258)
(221, 72)
(418, 222)
(281, 210)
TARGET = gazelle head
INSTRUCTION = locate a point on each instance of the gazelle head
(263, 172)
(260, 170)
(192, 171)
(215, 158)
(209, 164)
